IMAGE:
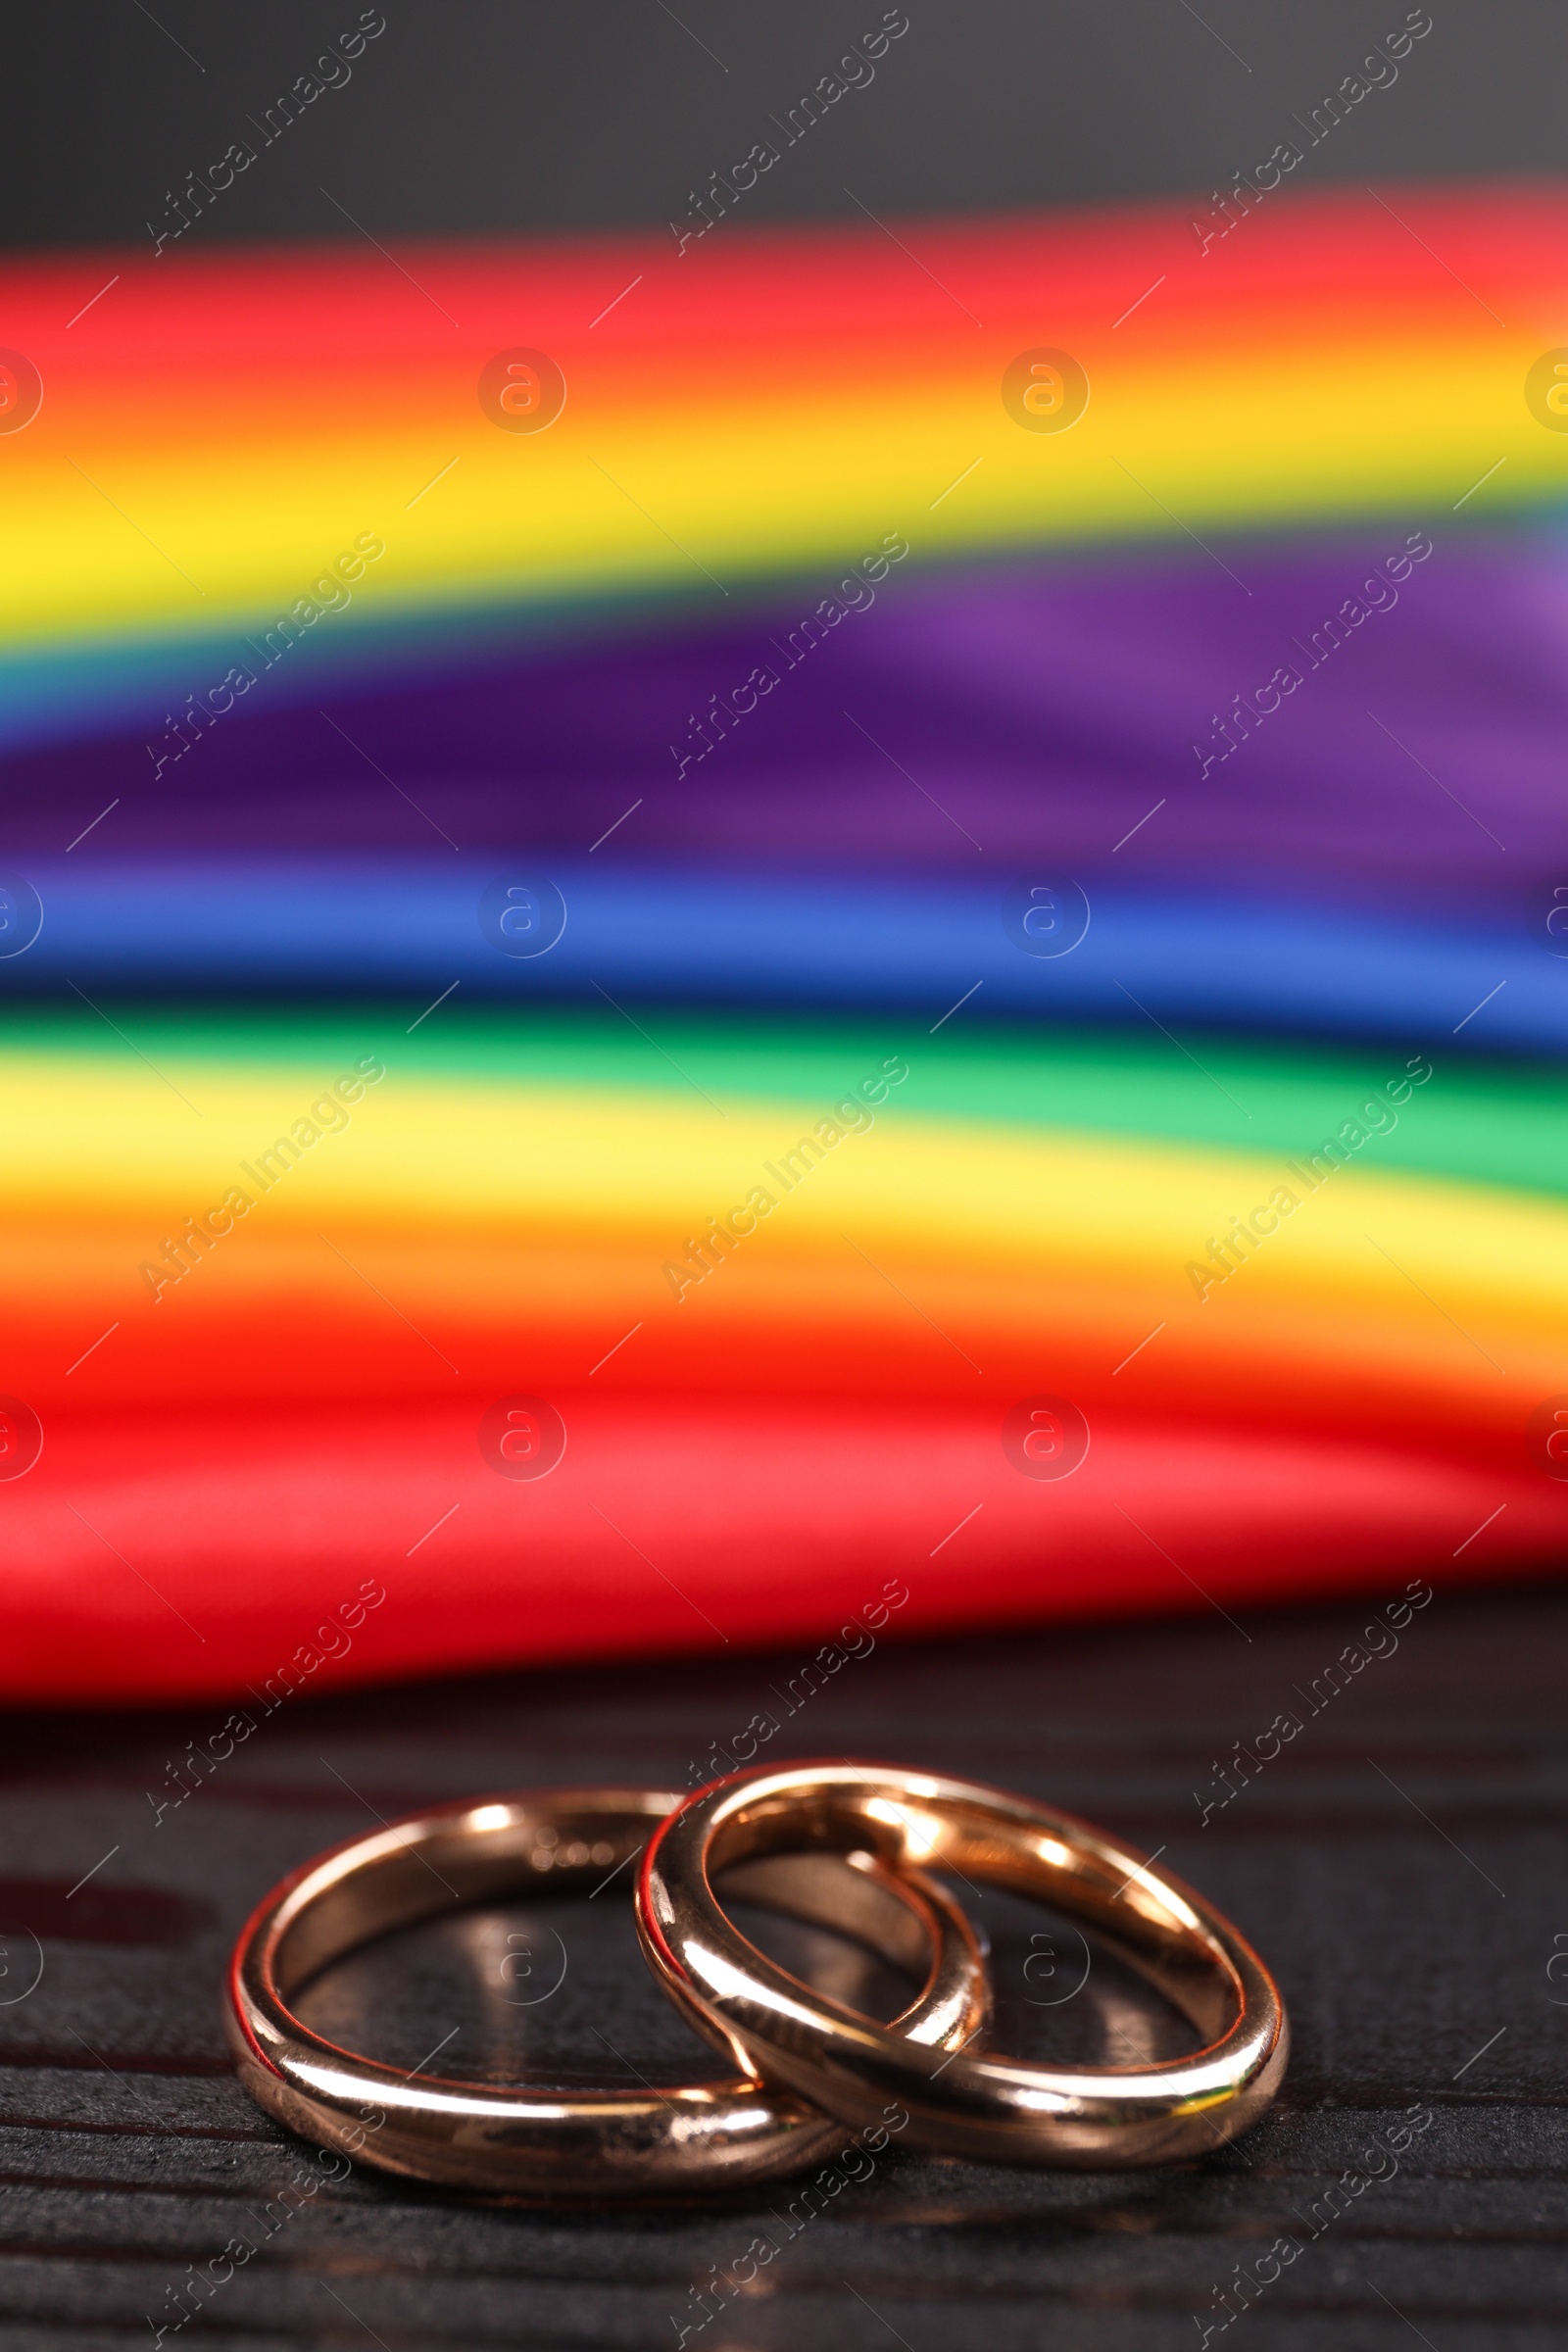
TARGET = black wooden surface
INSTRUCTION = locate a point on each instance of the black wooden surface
(1401, 1864)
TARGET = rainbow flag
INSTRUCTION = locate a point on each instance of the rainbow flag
(695, 934)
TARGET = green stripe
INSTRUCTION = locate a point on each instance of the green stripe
(1502, 1123)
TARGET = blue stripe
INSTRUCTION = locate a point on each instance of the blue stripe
(720, 935)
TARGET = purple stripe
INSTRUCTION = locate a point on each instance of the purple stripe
(1033, 709)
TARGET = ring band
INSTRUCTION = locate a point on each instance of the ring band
(543, 2142)
(989, 2108)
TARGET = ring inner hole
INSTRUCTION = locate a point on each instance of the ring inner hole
(1061, 1993)
(1067, 1990)
(550, 1989)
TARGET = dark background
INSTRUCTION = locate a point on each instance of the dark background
(1401, 1865)
(473, 116)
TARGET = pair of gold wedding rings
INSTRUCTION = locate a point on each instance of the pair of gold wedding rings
(851, 1846)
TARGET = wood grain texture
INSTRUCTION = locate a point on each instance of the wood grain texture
(1403, 1865)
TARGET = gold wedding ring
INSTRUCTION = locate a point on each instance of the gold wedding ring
(843, 1845)
(986, 2107)
(540, 2141)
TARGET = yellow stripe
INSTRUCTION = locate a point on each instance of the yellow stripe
(1278, 435)
(102, 1145)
